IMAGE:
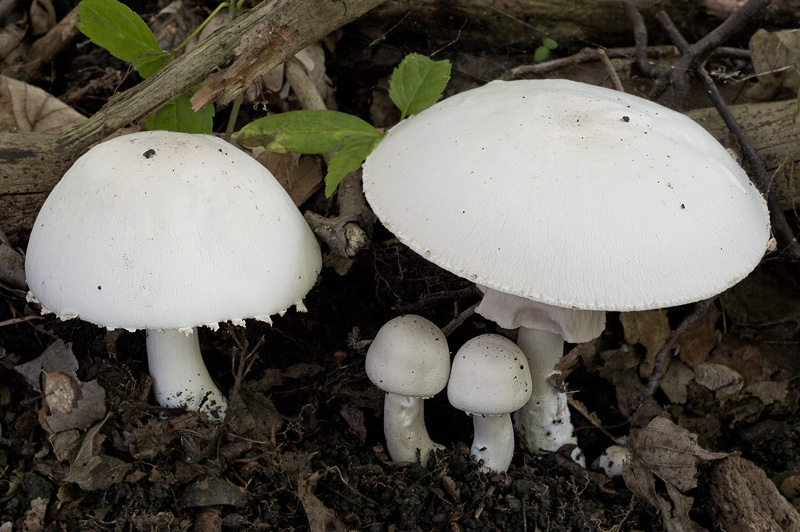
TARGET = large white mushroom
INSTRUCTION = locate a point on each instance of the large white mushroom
(167, 232)
(565, 200)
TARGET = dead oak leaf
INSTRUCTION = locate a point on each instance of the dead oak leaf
(61, 391)
(663, 467)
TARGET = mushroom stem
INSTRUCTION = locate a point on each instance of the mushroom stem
(544, 422)
(493, 441)
(180, 377)
(404, 428)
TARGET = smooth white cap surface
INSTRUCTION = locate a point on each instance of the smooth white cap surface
(409, 356)
(163, 230)
(569, 194)
(489, 376)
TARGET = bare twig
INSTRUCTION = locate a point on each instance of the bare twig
(459, 318)
(610, 69)
(696, 54)
(699, 309)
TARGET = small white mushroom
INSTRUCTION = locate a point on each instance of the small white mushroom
(613, 460)
(169, 231)
(489, 380)
(410, 361)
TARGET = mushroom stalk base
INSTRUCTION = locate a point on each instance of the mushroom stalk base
(493, 441)
(180, 377)
(404, 428)
(544, 422)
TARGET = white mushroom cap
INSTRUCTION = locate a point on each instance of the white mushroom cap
(409, 356)
(163, 230)
(569, 194)
(489, 377)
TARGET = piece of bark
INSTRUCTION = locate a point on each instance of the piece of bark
(744, 499)
(490, 23)
(30, 164)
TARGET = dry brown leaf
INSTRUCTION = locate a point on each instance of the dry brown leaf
(354, 417)
(61, 391)
(57, 357)
(300, 176)
(768, 391)
(27, 108)
(719, 378)
(650, 328)
(92, 469)
(667, 452)
(91, 406)
(320, 517)
(699, 339)
(775, 56)
(676, 382)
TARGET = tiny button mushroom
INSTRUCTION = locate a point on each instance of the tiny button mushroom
(489, 380)
(410, 361)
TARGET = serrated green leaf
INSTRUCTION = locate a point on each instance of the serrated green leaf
(307, 132)
(549, 43)
(113, 26)
(179, 116)
(417, 83)
(346, 160)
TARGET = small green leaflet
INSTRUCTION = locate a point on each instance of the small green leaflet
(113, 26)
(417, 83)
(541, 54)
(348, 159)
(178, 115)
(307, 132)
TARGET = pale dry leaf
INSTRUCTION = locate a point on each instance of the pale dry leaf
(43, 16)
(91, 407)
(300, 176)
(768, 391)
(65, 444)
(34, 516)
(11, 36)
(61, 391)
(675, 382)
(320, 517)
(775, 57)
(723, 380)
(669, 453)
(27, 108)
(57, 357)
(696, 342)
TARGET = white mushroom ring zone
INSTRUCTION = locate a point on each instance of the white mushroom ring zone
(167, 232)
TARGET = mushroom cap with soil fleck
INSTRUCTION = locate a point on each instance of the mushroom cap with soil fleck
(166, 232)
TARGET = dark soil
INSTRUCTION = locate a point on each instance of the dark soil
(302, 448)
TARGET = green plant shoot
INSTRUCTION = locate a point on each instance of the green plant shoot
(541, 54)
(115, 27)
(416, 84)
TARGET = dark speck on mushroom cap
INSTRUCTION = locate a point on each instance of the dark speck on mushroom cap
(549, 172)
(174, 241)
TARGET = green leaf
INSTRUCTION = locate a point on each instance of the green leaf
(417, 83)
(549, 43)
(307, 132)
(179, 116)
(113, 26)
(541, 54)
(348, 159)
